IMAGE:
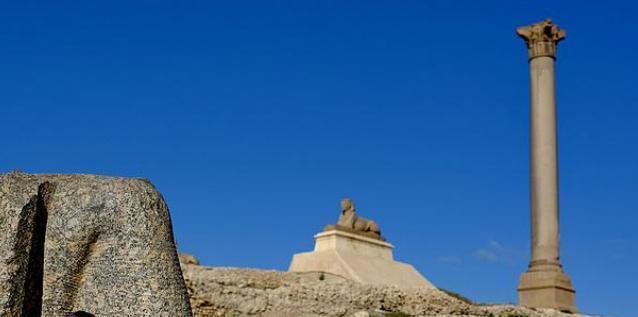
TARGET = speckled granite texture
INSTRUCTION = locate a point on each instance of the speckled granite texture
(104, 246)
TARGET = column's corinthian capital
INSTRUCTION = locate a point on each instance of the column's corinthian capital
(541, 38)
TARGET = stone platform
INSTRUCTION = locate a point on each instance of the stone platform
(358, 258)
(547, 288)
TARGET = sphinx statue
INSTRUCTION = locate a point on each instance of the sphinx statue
(351, 222)
(354, 249)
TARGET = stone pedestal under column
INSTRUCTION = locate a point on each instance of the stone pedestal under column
(548, 289)
(358, 258)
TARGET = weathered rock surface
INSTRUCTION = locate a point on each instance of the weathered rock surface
(246, 292)
(85, 243)
(185, 258)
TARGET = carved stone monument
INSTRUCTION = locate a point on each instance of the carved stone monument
(353, 248)
(544, 284)
(85, 245)
(350, 221)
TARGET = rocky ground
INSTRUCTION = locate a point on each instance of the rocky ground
(246, 292)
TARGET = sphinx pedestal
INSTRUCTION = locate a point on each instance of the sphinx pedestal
(358, 258)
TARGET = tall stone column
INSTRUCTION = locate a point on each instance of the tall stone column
(544, 284)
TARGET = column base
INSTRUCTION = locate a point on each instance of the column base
(547, 289)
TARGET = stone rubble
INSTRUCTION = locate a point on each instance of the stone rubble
(216, 291)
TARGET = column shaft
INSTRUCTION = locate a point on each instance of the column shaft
(543, 161)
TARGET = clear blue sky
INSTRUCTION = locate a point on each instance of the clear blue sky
(254, 118)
